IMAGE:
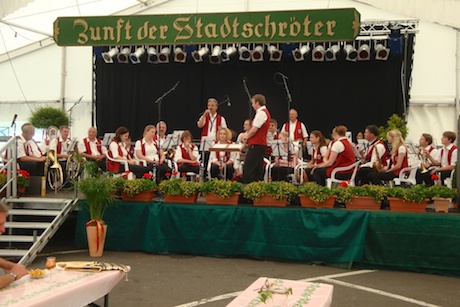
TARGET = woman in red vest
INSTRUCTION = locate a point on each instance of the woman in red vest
(341, 155)
(318, 153)
(186, 155)
(284, 165)
(117, 150)
(222, 161)
(398, 159)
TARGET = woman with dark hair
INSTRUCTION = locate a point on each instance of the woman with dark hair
(186, 155)
(318, 152)
(118, 151)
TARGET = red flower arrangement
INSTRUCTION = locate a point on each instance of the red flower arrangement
(147, 176)
(434, 177)
(343, 184)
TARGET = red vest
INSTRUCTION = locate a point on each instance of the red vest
(317, 155)
(88, 146)
(227, 153)
(260, 137)
(113, 166)
(345, 158)
(59, 146)
(218, 123)
(185, 155)
(143, 146)
(404, 164)
(449, 154)
(298, 135)
(383, 158)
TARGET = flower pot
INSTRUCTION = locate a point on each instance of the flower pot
(268, 201)
(399, 205)
(21, 190)
(363, 203)
(145, 197)
(179, 199)
(96, 239)
(306, 202)
(213, 199)
(442, 204)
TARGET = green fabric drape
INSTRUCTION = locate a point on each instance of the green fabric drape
(272, 233)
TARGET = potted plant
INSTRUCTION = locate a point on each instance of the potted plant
(367, 197)
(43, 117)
(98, 192)
(274, 194)
(23, 180)
(344, 195)
(223, 192)
(179, 191)
(411, 199)
(312, 194)
(141, 190)
(442, 197)
(3, 182)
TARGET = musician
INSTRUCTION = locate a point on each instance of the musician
(160, 135)
(118, 150)
(30, 156)
(447, 158)
(272, 134)
(92, 150)
(426, 148)
(210, 122)
(318, 154)
(376, 154)
(285, 164)
(399, 158)
(222, 162)
(238, 165)
(256, 139)
(296, 129)
(186, 155)
(147, 149)
(341, 155)
(246, 127)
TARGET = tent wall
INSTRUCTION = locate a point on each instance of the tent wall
(39, 73)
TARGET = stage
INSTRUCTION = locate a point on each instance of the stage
(414, 241)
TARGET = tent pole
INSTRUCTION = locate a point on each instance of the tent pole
(63, 76)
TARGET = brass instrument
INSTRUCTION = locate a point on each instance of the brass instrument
(422, 157)
(53, 171)
(377, 165)
(73, 163)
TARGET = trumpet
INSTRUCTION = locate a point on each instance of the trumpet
(422, 157)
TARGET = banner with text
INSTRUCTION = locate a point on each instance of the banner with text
(221, 28)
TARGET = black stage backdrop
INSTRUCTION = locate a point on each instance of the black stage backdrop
(325, 94)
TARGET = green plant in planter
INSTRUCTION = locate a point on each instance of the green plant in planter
(396, 192)
(136, 186)
(2, 179)
(43, 117)
(441, 191)
(179, 187)
(344, 194)
(92, 169)
(316, 192)
(98, 192)
(117, 183)
(417, 193)
(394, 122)
(378, 192)
(221, 188)
(278, 190)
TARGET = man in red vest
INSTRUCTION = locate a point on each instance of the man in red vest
(296, 129)
(30, 156)
(447, 158)
(256, 139)
(91, 148)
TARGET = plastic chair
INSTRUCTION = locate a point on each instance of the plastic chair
(407, 175)
(354, 166)
(448, 181)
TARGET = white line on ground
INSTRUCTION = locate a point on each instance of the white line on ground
(379, 292)
(234, 294)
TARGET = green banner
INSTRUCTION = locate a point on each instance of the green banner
(222, 28)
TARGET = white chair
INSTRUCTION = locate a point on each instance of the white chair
(407, 175)
(123, 162)
(448, 181)
(351, 182)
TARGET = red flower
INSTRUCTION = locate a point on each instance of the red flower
(4, 172)
(125, 174)
(182, 174)
(167, 174)
(344, 184)
(434, 177)
(147, 176)
(174, 173)
(24, 173)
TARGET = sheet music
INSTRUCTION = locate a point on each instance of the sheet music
(169, 143)
(278, 149)
(108, 137)
(207, 142)
(363, 144)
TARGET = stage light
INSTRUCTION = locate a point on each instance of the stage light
(318, 54)
(164, 55)
(180, 56)
(364, 53)
(225, 54)
(135, 56)
(331, 53)
(258, 54)
(108, 56)
(245, 54)
(275, 53)
(198, 55)
(351, 53)
(298, 53)
(214, 58)
(123, 56)
(381, 52)
(152, 55)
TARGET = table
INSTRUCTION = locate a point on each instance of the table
(67, 289)
(303, 294)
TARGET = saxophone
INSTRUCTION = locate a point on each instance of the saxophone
(377, 165)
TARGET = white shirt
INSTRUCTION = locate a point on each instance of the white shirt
(212, 126)
(443, 159)
(260, 118)
(151, 151)
(292, 127)
(93, 145)
(113, 147)
(27, 148)
(213, 156)
(338, 146)
(178, 153)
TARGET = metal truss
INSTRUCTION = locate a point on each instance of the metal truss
(384, 27)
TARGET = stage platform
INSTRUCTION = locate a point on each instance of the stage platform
(412, 241)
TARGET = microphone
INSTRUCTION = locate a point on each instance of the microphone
(229, 104)
(14, 120)
(174, 87)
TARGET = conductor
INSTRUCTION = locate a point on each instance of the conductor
(256, 139)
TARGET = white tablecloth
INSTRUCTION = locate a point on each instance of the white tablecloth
(66, 289)
(303, 294)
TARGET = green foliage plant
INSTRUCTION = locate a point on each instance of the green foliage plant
(394, 122)
(92, 169)
(98, 192)
(179, 187)
(221, 188)
(377, 192)
(441, 191)
(316, 192)
(276, 189)
(136, 186)
(344, 194)
(417, 193)
(43, 117)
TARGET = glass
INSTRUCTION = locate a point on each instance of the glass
(50, 264)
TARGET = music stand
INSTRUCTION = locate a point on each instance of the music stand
(363, 144)
(177, 134)
(108, 137)
(205, 145)
(279, 151)
(412, 148)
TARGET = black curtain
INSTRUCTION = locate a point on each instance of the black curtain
(325, 94)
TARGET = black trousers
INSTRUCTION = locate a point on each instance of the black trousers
(160, 170)
(228, 172)
(377, 178)
(280, 173)
(137, 170)
(185, 168)
(253, 169)
(34, 168)
(320, 176)
(362, 177)
(424, 178)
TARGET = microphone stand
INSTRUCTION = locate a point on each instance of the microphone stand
(289, 101)
(249, 97)
(160, 99)
(226, 100)
(13, 124)
(71, 109)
